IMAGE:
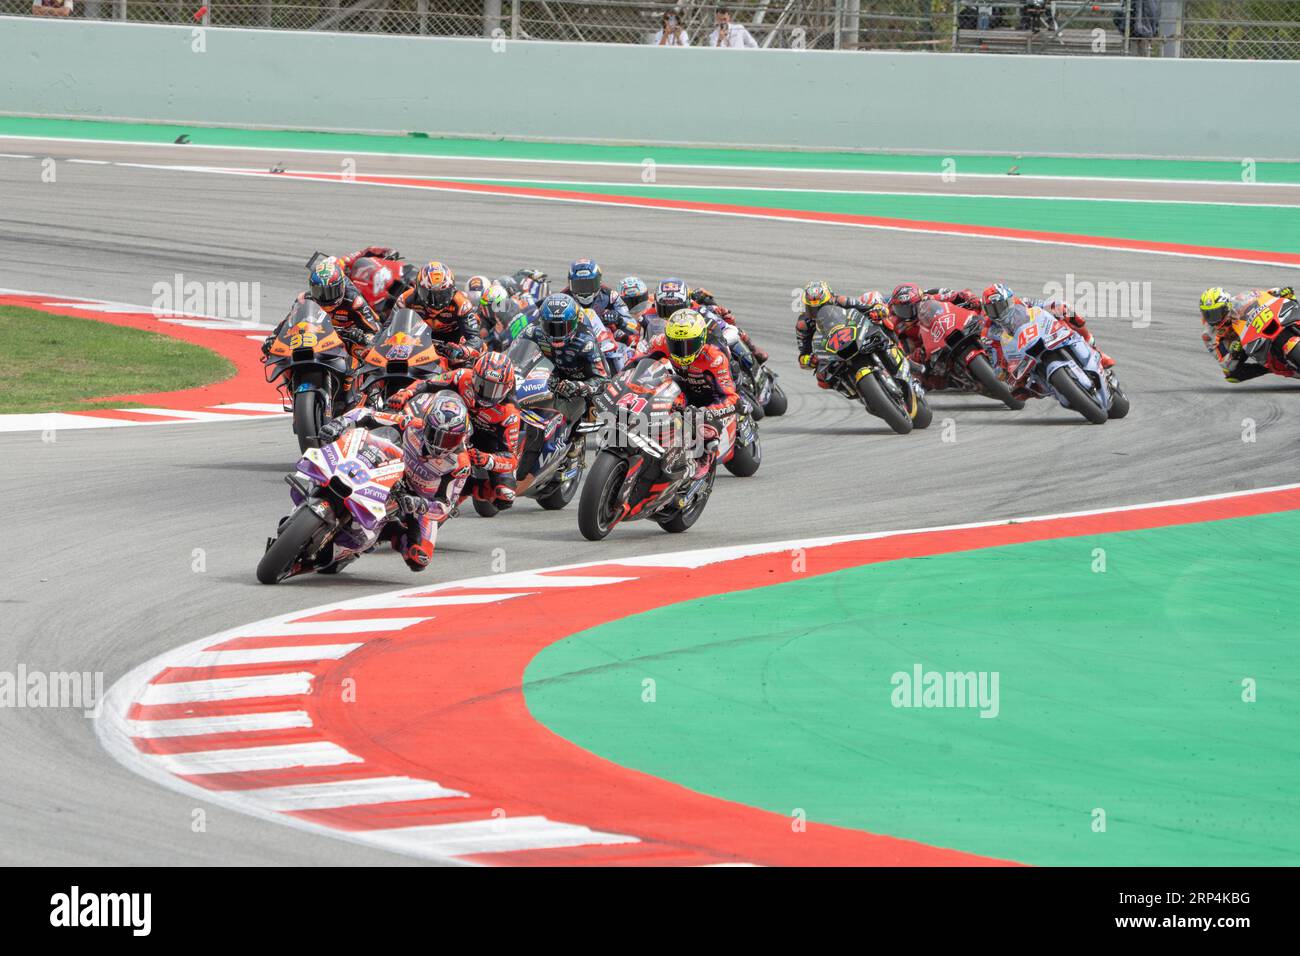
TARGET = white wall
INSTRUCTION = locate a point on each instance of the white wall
(934, 102)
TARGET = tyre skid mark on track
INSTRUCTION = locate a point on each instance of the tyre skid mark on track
(421, 737)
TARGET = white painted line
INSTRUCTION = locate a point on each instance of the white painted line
(348, 793)
(191, 415)
(319, 753)
(220, 724)
(532, 579)
(938, 173)
(268, 407)
(37, 422)
(382, 601)
(491, 836)
(219, 324)
(269, 655)
(228, 688)
(291, 629)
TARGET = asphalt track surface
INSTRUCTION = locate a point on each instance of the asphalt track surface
(102, 525)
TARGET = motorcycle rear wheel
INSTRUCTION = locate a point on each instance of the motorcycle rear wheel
(1077, 398)
(1119, 405)
(777, 403)
(289, 545)
(745, 459)
(683, 520)
(882, 406)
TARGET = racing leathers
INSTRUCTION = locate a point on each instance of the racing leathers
(495, 442)
(1221, 340)
(706, 384)
(610, 308)
(433, 484)
(455, 327)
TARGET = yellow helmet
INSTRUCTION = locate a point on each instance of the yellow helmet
(816, 294)
(686, 332)
(1214, 305)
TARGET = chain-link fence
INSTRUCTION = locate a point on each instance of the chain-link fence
(1233, 29)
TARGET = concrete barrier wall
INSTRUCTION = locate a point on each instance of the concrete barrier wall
(900, 102)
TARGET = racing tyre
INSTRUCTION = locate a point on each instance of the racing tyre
(991, 385)
(684, 519)
(289, 545)
(923, 415)
(1077, 398)
(882, 406)
(308, 416)
(598, 508)
(777, 403)
(484, 508)
(1118, 403)
(745, 459)
(561, 494)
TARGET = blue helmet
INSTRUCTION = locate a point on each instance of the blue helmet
(558, 317)
(584, 280)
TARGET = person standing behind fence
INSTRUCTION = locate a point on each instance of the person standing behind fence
(51, 8)
(672, 33)
(729, 34)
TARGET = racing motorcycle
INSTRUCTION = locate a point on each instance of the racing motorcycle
(308, 362)
(644, 467)
(754, 380)
(403, 353)
(552, 448)
(343, 494)
(868, 366)
(1269, 331)
(380, 281)
(1046, 357)
(955, 351)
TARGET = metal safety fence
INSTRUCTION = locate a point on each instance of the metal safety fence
(1223, 29)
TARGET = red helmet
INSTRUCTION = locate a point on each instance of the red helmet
(494, 378)
(904, 301)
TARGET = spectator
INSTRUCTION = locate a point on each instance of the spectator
(730, 34)
(51, 8)
(672, 33)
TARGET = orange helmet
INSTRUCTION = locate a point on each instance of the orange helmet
(435, 285)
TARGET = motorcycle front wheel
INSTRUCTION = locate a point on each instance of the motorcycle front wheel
(289, 545)
(598, 508)
(882, 406)
(1077, 398)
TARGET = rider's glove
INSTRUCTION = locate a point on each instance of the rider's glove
(703, 297)
(412, 506)
(331, 430)
(808, 360)
(399, 398)
(481, 459)
(266, 344)
(1286, 292)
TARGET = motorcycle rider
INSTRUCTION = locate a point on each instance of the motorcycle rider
(450, 315)
(590, 292)
(636, 295)
(1218, 312)
(533, 284)
(705, 302)
(1000, 293)
(488, 392)
(573, 348)
(435, 430)
(498, 310)
(351, 315)
(703, 372)
(817, 294)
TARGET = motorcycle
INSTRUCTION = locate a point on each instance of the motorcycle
(1046, 357)
(643, 468)
(1269, 331)
(309, 363)
(343, 494)
(868, 366)
(754, 380)
(403, 353)
(380, 281)
(955, 351)
(552, 450)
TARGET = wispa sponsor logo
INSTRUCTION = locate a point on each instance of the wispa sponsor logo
(976, 690)
(78, 909)
(240, 301)
(77, 690)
